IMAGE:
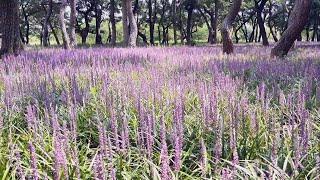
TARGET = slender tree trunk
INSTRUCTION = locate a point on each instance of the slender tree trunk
(113, 23)
(274, 35)
(174, 21)
(27, 26)
(65, 36)
(143, 37)
(308, 32)
(297, 21)
(125, 22)
(159, 33)
(45, 33)
(54, 33)
(260, 21)
(164, 35)
(21, 37)
(151, 23)
(214, 22)
(226, 29)
(85, 31)
(209, 25)
(73, 21)
(181, 27)
(11, 42)
(190, 9)
(253, 33)
(98, 14)
(315, 30)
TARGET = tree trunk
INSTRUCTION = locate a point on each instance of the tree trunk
(260, 21)
(214, 22)
(125, 25)
(174, 21)
(190, 8)
(132, 42)
(143, 37)
(151, 22)
(315, 31)
(45, 32)
(182, 35)
(73, 21)
(11, 42)
(85, 31)
(308, 32)
(298, 19)
(274, 35)
(113, 23)
(226, 29)
(252, 35)
(54, 33)
(27, 26)
(98, 14)
(65, 36)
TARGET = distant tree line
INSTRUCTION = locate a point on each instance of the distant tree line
(158, 22)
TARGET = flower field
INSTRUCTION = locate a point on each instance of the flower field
(160, 113)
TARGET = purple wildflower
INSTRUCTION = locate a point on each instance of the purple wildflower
(20, 171)
(178, 132)
(204, 159)
(98, 168)
(1, 120)
(165, 168)
(114, 128)
(33, 160)
(102, 138)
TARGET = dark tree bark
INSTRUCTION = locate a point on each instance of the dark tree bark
(143, 37)
(125, 24)
(274, 35)
(210, 29)
(27, 26)
(260, 21)
(253, 33)
(315, 31)
(308, 32)
(297, 21)
(151, 21)
(162, 22)
(190, 8)
(65, 36)
(85, 31)
(113, 39)
(45, 32)
(73, 21)
(98, 14)
(226, 29)
(182, 34)
(11, 42)
(212, 22)
(174, 21)
(55, 35)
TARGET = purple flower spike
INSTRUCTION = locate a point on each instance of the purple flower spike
(33, 161)
(165, 168)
